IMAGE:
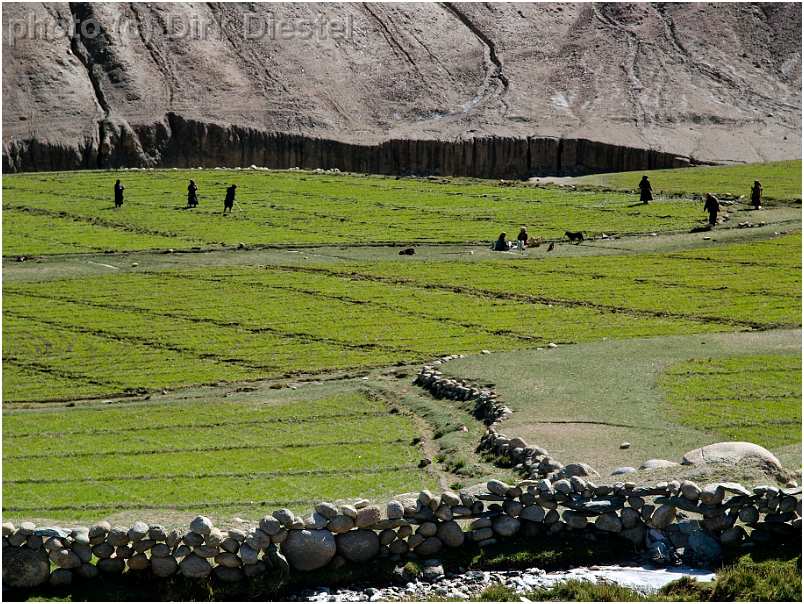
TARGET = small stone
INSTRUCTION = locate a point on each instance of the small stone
(285, 517)
(429, 547)
(341, 523)
(394, 510)
(625, 445)
(358, 546)
(451, 534)
(270, 525)
(327, 510)
(99, 529)
(137, 531)
(368, 516)
(623, 470)
(505, 526)
(201, 525)
(61, 577)
(690, 490)
(194, 566)
(139, 562)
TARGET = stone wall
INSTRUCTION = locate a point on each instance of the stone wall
(178, 142)
(660, 520)
(334, 535)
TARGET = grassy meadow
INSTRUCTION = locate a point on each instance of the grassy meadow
(135, 380)
(72, 212)
(246, 457)
(781, 180)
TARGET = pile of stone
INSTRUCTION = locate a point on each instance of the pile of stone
(529, 460)
(656, 518)
(483, 401)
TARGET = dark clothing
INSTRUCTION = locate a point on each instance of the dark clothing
(756, 195)
(118, 194)
(523, 237)
(192, 196)
(501, 245)
(228, 202)
(712, 206)
(645, 191)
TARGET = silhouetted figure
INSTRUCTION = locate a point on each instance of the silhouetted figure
(118, 194)
(501, 245)
(523, 237)
(552, 246)
(228, 202)
(192, 195)
(645, 190)
(712, 205)
(756, 195)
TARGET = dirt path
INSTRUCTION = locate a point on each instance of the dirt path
(581, 401)
(73, 266)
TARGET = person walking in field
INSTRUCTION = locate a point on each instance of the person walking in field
(712, 205)
(756, 195)
(645, 190)
(118, 194)
(228, 201)
(192, 195)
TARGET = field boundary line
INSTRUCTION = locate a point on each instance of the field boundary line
(131, 453)
(193, 475)
(301, 336)
(278, 420)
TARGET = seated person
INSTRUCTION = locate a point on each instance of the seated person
(501, 245)
(523, 236)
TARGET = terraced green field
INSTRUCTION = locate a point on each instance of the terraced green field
(58, 213)
(754, 398)
(135, 332)
(780, 180)
(227, 458)
(183, 342)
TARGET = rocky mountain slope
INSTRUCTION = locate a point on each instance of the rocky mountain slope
(150, 84)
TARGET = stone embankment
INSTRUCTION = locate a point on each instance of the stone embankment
(653, 518)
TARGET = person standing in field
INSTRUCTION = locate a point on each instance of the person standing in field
(712, 205)
(756, 195)
(228, 201)
(192, 195)
(645, 190)
(118, 194)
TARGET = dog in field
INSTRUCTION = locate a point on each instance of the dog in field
(574, 236)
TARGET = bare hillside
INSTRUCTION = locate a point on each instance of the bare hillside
(166, 84)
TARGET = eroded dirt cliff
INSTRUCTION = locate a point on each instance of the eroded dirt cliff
(500, 90)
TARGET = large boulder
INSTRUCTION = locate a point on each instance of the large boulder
(309, 550)
(729, 452)
(451, 534)
(24, 568)
(358, 546)
(702, 549)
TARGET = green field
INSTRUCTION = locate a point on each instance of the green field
(246, 457)
(134, 332)
(754, 398)
(780, 180)
(145, 384)
(64, 213)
